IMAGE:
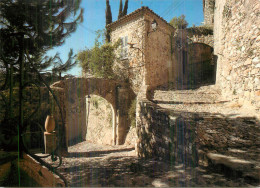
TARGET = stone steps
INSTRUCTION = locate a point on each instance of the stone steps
(203, 95)
(245, 168)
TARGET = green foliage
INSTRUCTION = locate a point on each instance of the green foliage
(99, 60)
(132, 113)
(60, 67)
(120, 9)
(28, 29)
(123, 12)
(108, 13)
(200, 30)
(125, 8)
(108, 19)
(179, 22)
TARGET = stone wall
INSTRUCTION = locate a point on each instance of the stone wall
(149, 60)
(193, 137)
(201, 34)
(99, 121)
(237, 47)
(208, 9)
(158, 63)
(164, 136)
(208, 39)
(25, 172)
(134, 63)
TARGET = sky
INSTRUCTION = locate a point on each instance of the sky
(94, 19)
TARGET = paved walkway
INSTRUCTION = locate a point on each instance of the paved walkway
(113, 166)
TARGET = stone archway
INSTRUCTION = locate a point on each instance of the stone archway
(72, 96)
(200, 68)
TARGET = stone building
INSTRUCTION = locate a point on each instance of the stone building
(154, 53)
(146, 48)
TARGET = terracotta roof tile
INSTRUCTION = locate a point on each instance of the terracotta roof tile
(140, 10)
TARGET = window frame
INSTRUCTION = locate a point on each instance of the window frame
(124, 48)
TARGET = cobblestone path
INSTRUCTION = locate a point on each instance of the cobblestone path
(113, 166)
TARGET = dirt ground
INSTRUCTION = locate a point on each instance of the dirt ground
(92, 165)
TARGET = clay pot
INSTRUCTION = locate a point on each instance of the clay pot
(50, 124)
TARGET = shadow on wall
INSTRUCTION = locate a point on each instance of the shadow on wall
(196, 67)
(199, 66)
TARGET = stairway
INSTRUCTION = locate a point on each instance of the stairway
(202, 95)
(227, 137)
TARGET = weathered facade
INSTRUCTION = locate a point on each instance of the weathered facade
(208, 9)
(148, 60)
(209, 130)
(237, 48)
(161, 56)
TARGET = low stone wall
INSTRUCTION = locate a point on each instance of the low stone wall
(165, 136)
(199, 138)
(31, 173)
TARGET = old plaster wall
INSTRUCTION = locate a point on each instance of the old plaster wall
(159, 63)
(133, 65)
(237, 47)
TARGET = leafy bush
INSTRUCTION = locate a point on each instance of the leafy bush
(99, 60)
(179, 22)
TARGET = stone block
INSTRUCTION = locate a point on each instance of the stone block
(248, 62)
(50, 142)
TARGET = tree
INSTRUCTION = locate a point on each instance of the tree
(108, 19)
(28, 28)
(99, 60)
(120, 9)
(122, 12)
(125, 8)
(60, 67)
(179, 22)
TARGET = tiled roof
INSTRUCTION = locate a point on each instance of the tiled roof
(138, 11)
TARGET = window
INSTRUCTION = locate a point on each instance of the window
(124, 49)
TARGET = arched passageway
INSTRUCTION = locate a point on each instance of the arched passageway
(72, 96)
